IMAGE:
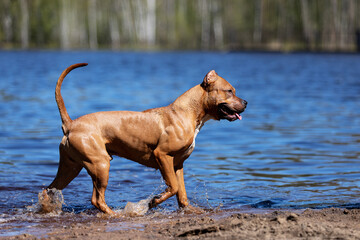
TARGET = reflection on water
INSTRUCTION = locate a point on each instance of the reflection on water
(297, 145)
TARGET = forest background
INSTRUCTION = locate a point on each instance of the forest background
(229, 25)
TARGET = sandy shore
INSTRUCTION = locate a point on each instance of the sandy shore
(331, 223)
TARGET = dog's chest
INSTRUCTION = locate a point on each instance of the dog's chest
(190, 149)
(197, 130)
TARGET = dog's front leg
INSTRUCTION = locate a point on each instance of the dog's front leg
(181, 194)
(166, 166)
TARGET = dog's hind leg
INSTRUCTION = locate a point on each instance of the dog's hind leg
(99, 172)
(96, 160)
(67, 171)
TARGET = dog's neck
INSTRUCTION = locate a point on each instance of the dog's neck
(192, 103)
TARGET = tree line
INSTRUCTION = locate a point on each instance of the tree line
(284, 25)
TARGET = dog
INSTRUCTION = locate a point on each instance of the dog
(161, 138)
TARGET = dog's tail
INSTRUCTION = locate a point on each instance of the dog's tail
(65, 118)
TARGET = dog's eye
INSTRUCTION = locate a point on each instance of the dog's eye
(230, 91)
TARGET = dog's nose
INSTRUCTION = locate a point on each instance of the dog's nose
(244, 102)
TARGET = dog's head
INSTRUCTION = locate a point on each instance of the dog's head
(221, 101)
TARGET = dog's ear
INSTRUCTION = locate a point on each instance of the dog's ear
(209, 78)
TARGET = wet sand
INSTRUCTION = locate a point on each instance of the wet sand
(331, 223)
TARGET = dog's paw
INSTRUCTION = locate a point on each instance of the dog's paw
(153, 203)
(190, 209)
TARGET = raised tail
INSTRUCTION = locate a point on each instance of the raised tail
(65, 118)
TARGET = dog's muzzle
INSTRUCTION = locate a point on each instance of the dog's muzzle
(225, 111)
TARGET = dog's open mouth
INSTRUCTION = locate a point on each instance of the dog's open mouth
(226, 112)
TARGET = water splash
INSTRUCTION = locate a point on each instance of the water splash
(138, 208)
(49, 201)
(142, 207)
(200, 197)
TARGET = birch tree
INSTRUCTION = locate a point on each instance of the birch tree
(93, 40)
(24, 24)
(306, 22)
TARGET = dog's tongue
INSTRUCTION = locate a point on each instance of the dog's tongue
(238, 116)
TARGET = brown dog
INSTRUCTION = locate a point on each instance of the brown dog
(161, 138)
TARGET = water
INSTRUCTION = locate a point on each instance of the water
(297, 146)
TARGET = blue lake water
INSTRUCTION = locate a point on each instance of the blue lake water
(297, 146)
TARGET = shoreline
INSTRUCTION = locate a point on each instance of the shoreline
(329, 223)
